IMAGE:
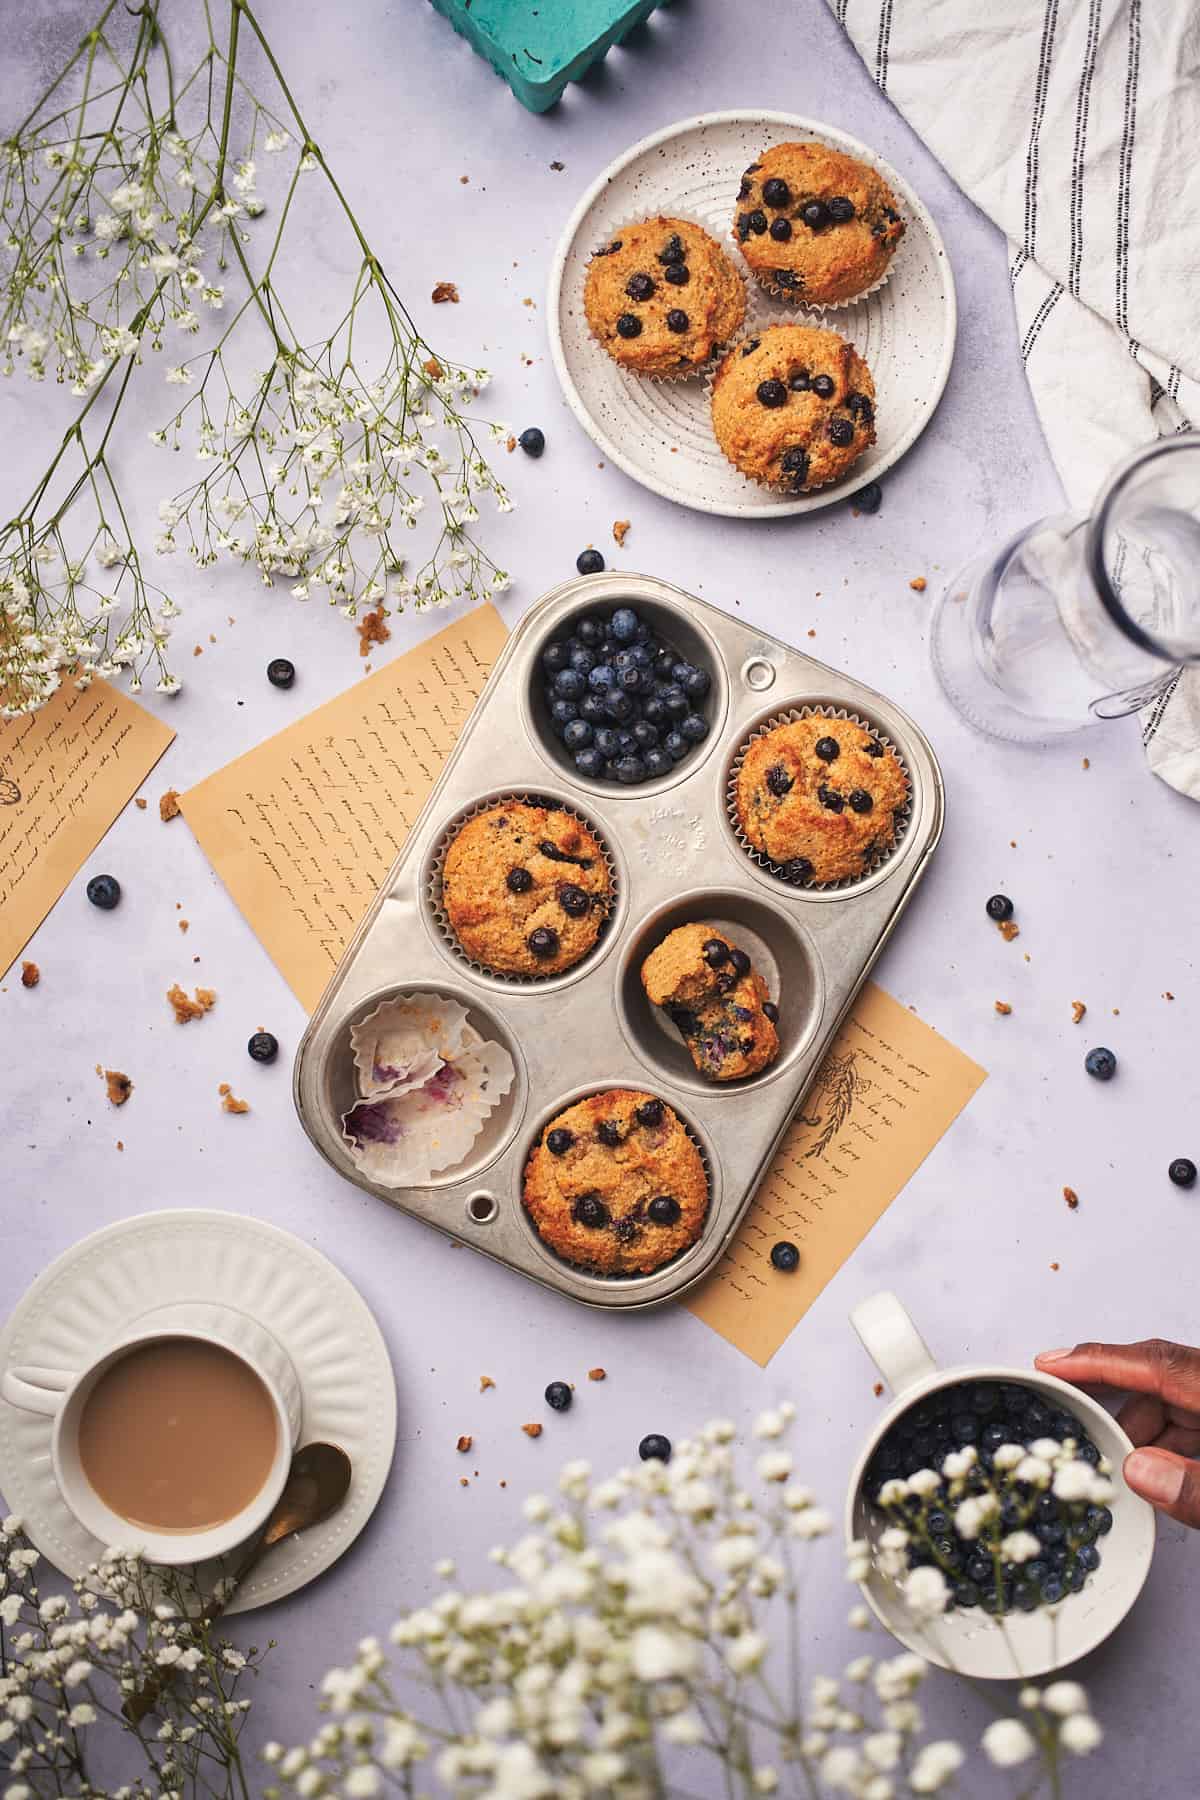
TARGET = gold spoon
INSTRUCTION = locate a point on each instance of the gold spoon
(317, 1483)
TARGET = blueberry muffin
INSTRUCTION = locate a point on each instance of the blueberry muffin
(816, 225)
(715, 999)
(819, 796)
(793, 407)
(662, 296)
(615, 1185)
(526, 889)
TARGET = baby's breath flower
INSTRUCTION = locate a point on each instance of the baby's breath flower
(1006, 1743)
(1080, 1734)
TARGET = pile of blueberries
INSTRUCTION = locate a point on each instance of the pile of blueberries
(988, 1414)
(625, 704)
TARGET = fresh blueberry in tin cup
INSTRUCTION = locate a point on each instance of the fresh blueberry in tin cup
(694, 728)
(562, 713)
(623, 625)
(676, 746)
(676, 702)
(569, 684)
(645, 735)
(555, 656)
(582, 660)
(602, 676)
(591, 708)
(619, 706)
(590, 764)
(630, 769)
(589, 631)
(577, 735)
(657, 763)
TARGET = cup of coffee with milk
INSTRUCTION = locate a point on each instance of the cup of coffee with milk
(177, 1438)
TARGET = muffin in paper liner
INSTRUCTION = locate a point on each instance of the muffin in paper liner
(760, 323)
(786, 716)
(401, 1140)
(737, 268)
(405, 1041)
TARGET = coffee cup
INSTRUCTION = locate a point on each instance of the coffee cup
(1018, 1644)
(169, 1352)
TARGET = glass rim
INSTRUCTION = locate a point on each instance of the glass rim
(1097, 524)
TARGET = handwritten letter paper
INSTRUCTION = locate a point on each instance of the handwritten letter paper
(303, 828)
(888, 1089)
(65, 774)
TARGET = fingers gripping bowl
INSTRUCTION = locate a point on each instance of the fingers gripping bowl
(666, 852)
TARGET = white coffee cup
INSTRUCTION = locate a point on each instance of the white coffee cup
(968, 1640)
(63, 1393)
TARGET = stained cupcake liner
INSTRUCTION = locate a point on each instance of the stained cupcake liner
(403, 1042)
(759, 322)
(789, 715)
(696, 370)
(433, 887)
(402, 1140)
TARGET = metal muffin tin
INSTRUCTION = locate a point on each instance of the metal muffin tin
(675, 858)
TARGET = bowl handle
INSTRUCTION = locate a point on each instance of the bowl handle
(892, 1341)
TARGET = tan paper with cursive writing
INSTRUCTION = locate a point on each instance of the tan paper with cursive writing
(65, 773)
(887, 1090)
(303, 828)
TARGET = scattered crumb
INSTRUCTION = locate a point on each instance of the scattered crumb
(140, 803)
(621, 530)
(197, 649)
(1087, 762)
(182, 924)
(597, 1374)
(528, 301)
(1078, 1008)
(1008, 929)
(1003, 1008)
(510, 443)
(463, 1482)
(372, 630)
(464, 179)
(1116, 1012)
(1055, 1267)
(485, 1382)
(211, 638)
(433, 367)
(917, 584)
(117, 1086)
(504, 1484)
(1012, 843)
(464, 1444)
(445, 290)
(1028, 958)
(558, 167)
(1071, 1198)
(168, 806)
(1168, 995)
(186, 1009)
(811, 632)
(877, 1389)
(30, 974)
(532, 1430)
(229, 1100)
(120, 1145)
(195, 959)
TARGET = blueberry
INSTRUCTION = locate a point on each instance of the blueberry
(840, 432)
(781, 230)
(626, 743)
(643, 654)
(800, 381)
(280, 672)
(655, 1447)
(577, 735)
(590, 763)
(966, 1593)
(650, 1113)
(771, 1011)
(1101, 1518)
(657, 763)
(664, 1210)
(686, 1023)
(623, 625)
(532, 441)
(645, 736)
(104, 891)
(639, 287)
(715, 952)
(776, 192)
(984, 1397)
(672, 252)
(1182, 1171)
(824, 385)
(797, 870)
(868, 499)
(629, 680)
(569, 684)
(757, 222)
(590, 562)
(678, 274)
(559, 1141)
(263, 1047)
(841, 210)
(1052, 1589)
(794, 462)
(589, 631)
(663, 663)
(591, 708)
(676, 702)
(559, 1396)
(828, 749)
(1050, 1531)
(654, 712)
(606, 741)
(815, 214)
(740, 961)
(830, 798)
(1088, 1557)
(938, 1524)
(591, 1211)
(964, 1428)
(619, 706)
(518, 881)
(629, 770)
(562, 713)
(608, 1132)
(979, 1568)
(575, 901)
(771, 393)
(994, 1436)
(778, 781)
(999, 907)
(601, 677)
(676, 746)
(555, 657)
(694, 728)
(859, 407)
(861, 801)
(1101, 1063)
(543, 942)
(785, 1256)
(696, 683)
(629, 326)
(677, 320)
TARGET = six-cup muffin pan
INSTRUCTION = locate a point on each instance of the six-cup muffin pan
(675, 857)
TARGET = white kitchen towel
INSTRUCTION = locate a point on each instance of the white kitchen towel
(1075, 125)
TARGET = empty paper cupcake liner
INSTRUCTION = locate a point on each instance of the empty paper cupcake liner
(403, 1042)
(902, 816)
(696, 371)
(441, 918)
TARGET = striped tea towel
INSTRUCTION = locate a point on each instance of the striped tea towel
(1075, 125)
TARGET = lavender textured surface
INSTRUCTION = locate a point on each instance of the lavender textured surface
(1102, 874)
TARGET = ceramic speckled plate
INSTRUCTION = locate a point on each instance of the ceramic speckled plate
(660, 433)
(84, 1299)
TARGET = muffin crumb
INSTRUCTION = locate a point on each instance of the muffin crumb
(1008, 929)
(464, 1444)
(918, 584)
(485, 1382)
(185, 1009)
(1003, 1008)
(443, 291)
(30, 974)
(229, 1100)
(372, 629)
(140, 803)
(1071, 1198)
(597, 1374)
(168, 806)
(1078, 1008)
(533, 1431)
(117, 1086)
(621, 530)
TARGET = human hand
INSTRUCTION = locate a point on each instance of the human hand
(1161, 1417)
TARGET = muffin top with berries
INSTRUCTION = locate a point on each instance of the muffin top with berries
(815, 224)
(615, 1185)
(526, 888)
(661, 296)
(820, 797)
(793, 407)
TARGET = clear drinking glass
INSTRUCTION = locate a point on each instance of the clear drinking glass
(1080, 618)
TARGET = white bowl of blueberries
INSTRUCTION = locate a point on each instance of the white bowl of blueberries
(626, 704)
